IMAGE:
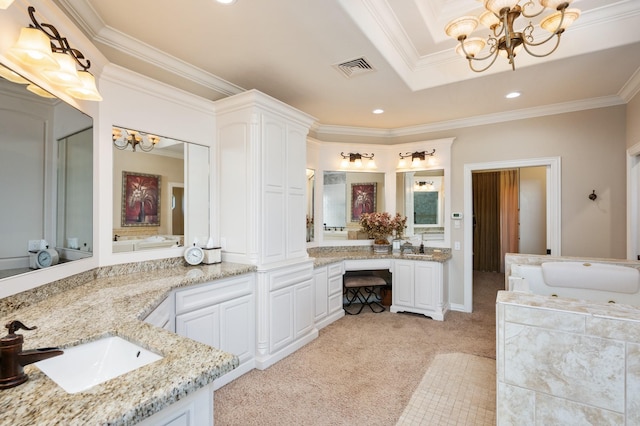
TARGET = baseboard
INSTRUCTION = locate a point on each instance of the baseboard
(234, 374)
(457, 307)
(267, 361)
(329, 319)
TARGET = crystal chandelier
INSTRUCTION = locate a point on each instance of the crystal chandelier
(500, 17)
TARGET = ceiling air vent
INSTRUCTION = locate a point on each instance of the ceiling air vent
(354, 67)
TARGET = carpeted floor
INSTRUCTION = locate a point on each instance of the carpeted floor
(362, 369)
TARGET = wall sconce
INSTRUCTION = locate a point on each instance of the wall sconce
(43, 51)
(593, 195)
(123, 138)
(424, 185)
(416, 158)
(355, 158)
(4, 4)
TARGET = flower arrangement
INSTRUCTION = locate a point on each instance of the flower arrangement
(380, 226)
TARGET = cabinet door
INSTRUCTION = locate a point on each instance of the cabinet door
(304, 318)
(202, 325)
(425, 284)
(403, 278)
(281, 318)
(237, 331)
(321, 293)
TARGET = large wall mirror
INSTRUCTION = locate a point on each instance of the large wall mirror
(46, 168)
(420, 195)
(160, 192)
(346, 195)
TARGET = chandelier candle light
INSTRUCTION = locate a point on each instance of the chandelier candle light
(501, 17)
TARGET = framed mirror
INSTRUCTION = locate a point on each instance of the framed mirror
(346, 196)
(160, 189)
(46, 166)
(420, 196)
(311, 185)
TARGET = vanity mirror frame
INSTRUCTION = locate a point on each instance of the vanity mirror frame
(325, 156)
(161, 110)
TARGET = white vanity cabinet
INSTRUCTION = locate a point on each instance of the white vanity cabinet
(286, 312)
(221, 314)
(328, 294)
(163, 315)
(418, 286)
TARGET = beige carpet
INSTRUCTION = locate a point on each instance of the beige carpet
(362, 369)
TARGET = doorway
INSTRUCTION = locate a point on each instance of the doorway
(552, 213)
(176, 224)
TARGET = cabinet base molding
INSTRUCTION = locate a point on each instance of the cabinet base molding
(434, 315)
(266, 361)
(234, 374)
(329, 319)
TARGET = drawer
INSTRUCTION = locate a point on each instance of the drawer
(336, 269)
(366, 264)
(335, 284)
(335, 303)
(213, 293)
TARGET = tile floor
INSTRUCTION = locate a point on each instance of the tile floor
(457, 389)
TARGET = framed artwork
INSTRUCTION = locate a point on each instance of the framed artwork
(363, 199)
(140, 199)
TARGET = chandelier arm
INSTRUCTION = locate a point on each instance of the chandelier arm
(491, 41)
(495, 56)
(537, 55)
(532, 15)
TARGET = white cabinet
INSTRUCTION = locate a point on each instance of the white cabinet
(286, 311)
(195, 409)
(418, 286)
(163, 315)
(221, 314)
(261, 151)
(328, 294)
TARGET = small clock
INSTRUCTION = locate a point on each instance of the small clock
(46, 258)
(193, 255)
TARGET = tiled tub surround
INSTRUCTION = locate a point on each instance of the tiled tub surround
(564, 361)
(113, 302)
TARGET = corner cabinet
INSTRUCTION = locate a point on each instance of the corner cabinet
(419, 287)
(261, 156)
(221, 314)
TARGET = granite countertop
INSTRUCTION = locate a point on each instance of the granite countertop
(115, 305)
(327, 255)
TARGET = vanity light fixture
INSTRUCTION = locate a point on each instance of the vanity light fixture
(500, 17)
(42, 50)
(416, 158)
(355, 158)
(122, 138)
(424, 185)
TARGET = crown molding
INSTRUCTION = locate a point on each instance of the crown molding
(480, 120)
(92, 24)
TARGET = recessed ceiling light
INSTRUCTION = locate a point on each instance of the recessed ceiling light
(378, 111)
(512, 95)
(226, 1)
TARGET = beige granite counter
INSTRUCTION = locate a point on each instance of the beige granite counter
(113, 304)
(327, 255)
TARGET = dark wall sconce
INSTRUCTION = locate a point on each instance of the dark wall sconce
(416, 157)
(593, 195)
(355, 158)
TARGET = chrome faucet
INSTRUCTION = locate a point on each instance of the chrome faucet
(13, 358)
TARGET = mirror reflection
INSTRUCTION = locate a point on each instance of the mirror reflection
(420, 197)
(346, 196)
(46, 167)
(150, 197)
(311, 186)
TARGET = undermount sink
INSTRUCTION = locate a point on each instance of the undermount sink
(84, 366)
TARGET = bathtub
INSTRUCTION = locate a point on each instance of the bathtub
(144, 244)
(596, 282)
